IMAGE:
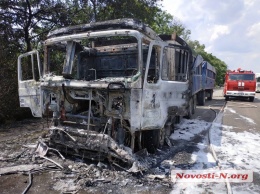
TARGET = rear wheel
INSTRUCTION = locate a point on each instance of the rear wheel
(227, 98)
(251, 99)
(201, 98)
(210, 95)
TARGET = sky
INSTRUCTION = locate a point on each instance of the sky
(229, 29)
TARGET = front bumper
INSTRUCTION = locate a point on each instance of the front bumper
(240, 94)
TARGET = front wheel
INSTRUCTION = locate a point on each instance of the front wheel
(151, 140)
(190, 111)
(251, 99)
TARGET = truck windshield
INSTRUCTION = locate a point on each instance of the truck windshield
(241, 77)
(95, 58)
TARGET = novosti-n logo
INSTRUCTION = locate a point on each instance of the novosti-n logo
(235, 176)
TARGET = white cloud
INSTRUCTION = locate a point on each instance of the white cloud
(249, 2)
(254, 30)
(229, 29)
(219, 30)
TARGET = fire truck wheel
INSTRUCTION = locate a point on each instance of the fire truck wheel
(227, 98)
(251, 99)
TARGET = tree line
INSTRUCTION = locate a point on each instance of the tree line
(25, 23)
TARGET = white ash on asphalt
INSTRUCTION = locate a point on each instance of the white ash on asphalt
(189, 151)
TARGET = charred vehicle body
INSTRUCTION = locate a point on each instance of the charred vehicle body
(111, 88)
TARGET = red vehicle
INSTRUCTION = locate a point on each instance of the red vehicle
(240, 83)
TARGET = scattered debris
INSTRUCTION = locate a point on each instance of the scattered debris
(159, 176)
(23, 169)
(29, 184)
(42, 150)
(20, 168)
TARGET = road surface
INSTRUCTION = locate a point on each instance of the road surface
(236, 141)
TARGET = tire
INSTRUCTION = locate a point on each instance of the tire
(201, 98)
(190, 109)
(151, 140)
(189, 114)
(210, 95)
(227, 98)
(251, 99)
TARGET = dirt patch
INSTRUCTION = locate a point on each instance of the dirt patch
(18, 144)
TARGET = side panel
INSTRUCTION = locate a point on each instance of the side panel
(210, 83)
(135, 109)
(210, 77)
(167, 97)
(197, 77)
(29, 86)
(161, 96)
(204, 75)
(197, 83)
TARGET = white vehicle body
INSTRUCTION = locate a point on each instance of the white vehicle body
(117, 81)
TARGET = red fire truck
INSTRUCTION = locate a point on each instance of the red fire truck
(240, 83)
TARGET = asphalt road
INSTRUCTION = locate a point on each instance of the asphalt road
(242, 117)
(239, 139)
(240, 114)
(211, 107)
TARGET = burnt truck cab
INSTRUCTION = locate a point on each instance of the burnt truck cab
(239, 84)
(116, 78)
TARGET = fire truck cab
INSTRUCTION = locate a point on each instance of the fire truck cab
(240, 83)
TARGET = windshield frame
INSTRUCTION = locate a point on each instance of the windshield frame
(98, 34)
(240, 76)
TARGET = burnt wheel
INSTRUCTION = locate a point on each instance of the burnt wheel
(190, 109)
(151, 140)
